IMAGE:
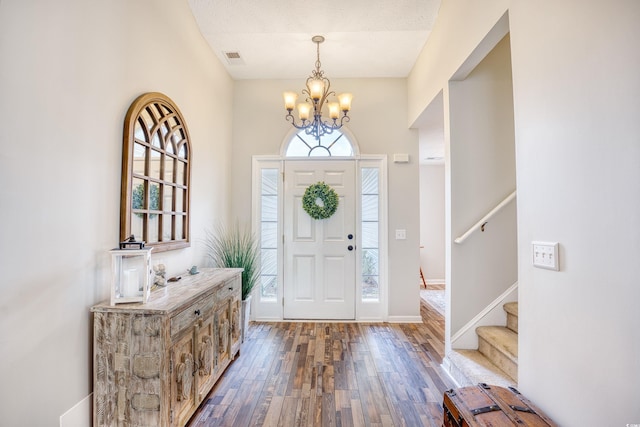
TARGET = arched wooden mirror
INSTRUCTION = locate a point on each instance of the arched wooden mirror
(156, 173)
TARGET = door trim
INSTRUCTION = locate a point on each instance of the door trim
(365, 311)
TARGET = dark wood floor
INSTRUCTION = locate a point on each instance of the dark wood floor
(333, 374)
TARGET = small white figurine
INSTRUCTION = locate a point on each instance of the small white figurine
(159, 279)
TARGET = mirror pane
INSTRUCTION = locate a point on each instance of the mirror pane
(167, 198)
(146, 117)
(154, 199)
(137, 193)
(154, 164)
(166, 227)
(179, 227)
(179, 206)
(137, 222)
(138, 131)
(177, 136)
(139, 156)
(180, 167)
(164, 131)
(152, 236)
(168, 168)
(182, 151)
(170, 147)
(155, 140)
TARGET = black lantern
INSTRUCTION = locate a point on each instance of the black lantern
(131, 243)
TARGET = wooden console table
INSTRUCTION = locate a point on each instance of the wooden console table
(154, 363)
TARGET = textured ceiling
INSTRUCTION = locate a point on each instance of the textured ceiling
(364, 38)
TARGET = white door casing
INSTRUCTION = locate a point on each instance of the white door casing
(319, 267)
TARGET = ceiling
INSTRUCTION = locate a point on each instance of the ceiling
(364, 38)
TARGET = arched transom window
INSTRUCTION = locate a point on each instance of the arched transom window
(334, 144)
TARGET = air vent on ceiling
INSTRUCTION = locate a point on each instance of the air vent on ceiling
(233, 58)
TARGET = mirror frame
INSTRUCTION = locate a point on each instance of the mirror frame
(168, 125)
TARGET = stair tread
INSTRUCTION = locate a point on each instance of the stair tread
(511, 308)
(476, 368)
(502, 338)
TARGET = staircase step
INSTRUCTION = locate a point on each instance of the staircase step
(500, 345)
(470, 367)
(512, 315)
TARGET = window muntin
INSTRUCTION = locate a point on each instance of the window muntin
(155, 174)
(334, 144)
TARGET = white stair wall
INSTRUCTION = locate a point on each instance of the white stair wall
(494, 314)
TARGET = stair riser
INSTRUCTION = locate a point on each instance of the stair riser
(498, 358)
(512, 322)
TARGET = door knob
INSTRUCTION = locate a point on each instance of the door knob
(350, 236)
(350, 247)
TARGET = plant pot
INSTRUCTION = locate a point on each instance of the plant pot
(246, 311)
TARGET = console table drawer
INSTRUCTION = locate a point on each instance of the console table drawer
(187, 317)
(229, 288)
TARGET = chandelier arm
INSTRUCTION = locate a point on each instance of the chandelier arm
(289, 117)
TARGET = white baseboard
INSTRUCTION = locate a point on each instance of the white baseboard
(404, 319)
(79, 415)
(446, 367)
(370, 320)
(493, 314)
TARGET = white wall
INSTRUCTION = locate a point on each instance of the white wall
(460, 27)
(432, 255)
(576, 86)
(378, 122)
(482, 173)
(70, 70)
(577, 99)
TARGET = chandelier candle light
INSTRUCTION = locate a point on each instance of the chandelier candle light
(317, 92)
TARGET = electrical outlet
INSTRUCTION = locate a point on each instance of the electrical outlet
(545, 255)
(401, 234)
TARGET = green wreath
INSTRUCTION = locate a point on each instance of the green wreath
(325, 194)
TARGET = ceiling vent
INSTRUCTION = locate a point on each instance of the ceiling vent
(233, 58)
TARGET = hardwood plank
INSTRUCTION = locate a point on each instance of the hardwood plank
(331, 374)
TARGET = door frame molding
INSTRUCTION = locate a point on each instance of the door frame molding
(365, 311)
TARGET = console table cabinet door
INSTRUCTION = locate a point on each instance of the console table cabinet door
(183, 398)
(236, 324)
(205, 352)
(223, 335)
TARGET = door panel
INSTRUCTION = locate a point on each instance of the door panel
(319, 270)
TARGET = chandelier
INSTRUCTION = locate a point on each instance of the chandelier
(317, 93)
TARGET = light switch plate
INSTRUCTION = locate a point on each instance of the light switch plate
(545, 255)
(401, 234)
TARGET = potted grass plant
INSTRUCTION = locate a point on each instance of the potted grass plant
(236, 247)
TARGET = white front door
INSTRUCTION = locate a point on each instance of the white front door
(319, 255)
